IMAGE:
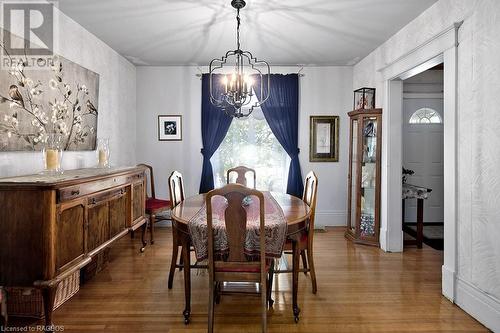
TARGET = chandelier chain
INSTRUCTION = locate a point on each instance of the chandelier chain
(238, 20)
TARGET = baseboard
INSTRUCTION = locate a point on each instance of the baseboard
(389, 244)
(383, 239)
(448, 283)
(330, 218)
(482, 306)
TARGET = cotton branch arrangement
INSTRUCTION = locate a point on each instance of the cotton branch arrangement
(63, 115)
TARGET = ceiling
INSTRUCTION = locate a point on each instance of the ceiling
(291, 32)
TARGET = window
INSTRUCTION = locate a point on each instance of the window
(426, 116)
(250, 142)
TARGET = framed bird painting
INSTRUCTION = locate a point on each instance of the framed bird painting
(35, 102)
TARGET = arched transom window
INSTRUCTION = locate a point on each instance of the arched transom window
(426, 116)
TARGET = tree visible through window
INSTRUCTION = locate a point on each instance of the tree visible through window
(250, 142)
(426, 116)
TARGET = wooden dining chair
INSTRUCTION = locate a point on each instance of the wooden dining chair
(236, 266)
(241, 172)
(154, 206)
(305, 243)
(176, 190)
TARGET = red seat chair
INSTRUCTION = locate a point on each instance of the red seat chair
(306, 242)
(154, 206)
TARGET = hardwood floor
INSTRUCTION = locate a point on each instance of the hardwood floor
(360, 289)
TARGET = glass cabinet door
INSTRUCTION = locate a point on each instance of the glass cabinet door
(354, 175)
(363, 205)
(368, 176)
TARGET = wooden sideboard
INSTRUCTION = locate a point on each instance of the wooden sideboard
(51, 226)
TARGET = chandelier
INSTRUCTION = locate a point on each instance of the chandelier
(233, 76)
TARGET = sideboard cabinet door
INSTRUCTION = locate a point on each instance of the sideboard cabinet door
(98, 221)
(118, 213)
(137, 202)
(70, 235)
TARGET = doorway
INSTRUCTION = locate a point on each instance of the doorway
(441, 48)
(423, 159)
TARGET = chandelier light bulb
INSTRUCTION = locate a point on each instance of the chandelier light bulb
(224, 82)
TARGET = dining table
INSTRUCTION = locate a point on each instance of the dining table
(295, 211)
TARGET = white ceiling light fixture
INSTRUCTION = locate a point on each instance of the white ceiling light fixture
(233, 90)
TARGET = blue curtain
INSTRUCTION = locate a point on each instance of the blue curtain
(214, 126)
(281, 111)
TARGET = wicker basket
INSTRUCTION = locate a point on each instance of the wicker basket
(28, 302)
(3, 310)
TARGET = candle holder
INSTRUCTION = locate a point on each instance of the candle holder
(52, 154)
(102, 153)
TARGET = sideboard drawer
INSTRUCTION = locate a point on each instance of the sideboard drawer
(100, 197)
(76, 191)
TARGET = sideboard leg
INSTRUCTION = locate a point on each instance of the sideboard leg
(49, 297)
(152, 220)
(143, 236)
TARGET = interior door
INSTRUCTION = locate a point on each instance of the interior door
(423, 153)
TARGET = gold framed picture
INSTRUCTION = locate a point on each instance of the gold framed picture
(324, 139)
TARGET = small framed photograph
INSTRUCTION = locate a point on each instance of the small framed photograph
(170, 128)
(324, 139)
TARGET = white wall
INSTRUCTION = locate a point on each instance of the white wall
(478, 276)
(117, 103)
(176, 90)
(170, 91)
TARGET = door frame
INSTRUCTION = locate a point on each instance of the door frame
(441, 48)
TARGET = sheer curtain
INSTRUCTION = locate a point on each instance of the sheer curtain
(250, 142)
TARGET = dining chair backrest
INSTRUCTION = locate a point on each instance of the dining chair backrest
(241, 172)
(235, 266)
(151, 179)
(310, 194)
(235, 218)
(176, 188)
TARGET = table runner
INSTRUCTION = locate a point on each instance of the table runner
(275, 225)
